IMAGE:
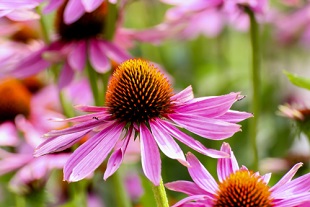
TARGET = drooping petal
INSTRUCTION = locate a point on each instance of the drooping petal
(77, 56)
(205, 127)
(22, 15)
(209, 107)
(31, 65)
(117, 157)
(76, 128)
(52, 5)
(294, 187)
(201, 175)
(187, 187)
(98, 57)
(226, 166)
(66, 76)
(85, 159)
(183, 96)
(166, 143)
(73, 11)
(83, 118)
(293, 200)
(189, 141)
(114, 52)
(14, 162)
(90, 108)
(150, 157)
(189, 199)
(235, 116)
(91, 5)
(59, 143)
(285, 179)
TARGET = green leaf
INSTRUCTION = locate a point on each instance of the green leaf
(298, 80)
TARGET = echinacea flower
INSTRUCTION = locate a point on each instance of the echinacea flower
(19, 10)
(75, 8)
(239, 186)
(77, 43)
(140, 101)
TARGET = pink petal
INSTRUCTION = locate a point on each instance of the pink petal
(73, 11)
(85, 159)
(187, 187)
(91, 5)
(31, 65)
(98, 57)
(293, 200)
(59, 143)
(206, 127)
(200, 175)
(66, 76)
(83, 118)
(297, 186)
(114, 52)
(211, 106)
(52, 5)
(285, 179)
(117, 157)
(183, 96)
(226, 166)
(8, 134)
(235, 116)
(150, 157)
(76, 128)
(77, 56)
(14, 162)
(22, 15)
(91, 108)
(31, 134)
(189, 199)
(189, 141)
(166, 143)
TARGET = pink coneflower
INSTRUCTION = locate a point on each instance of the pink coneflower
(239, 186)
(19, 10)
(140, 101)
(188, 19)
(77, 43)
(75, 9)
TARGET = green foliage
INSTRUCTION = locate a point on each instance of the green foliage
(297, 80)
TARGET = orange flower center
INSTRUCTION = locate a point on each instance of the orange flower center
(138, 92)
(243, 189)
(25, 34)
(15, 99)
(89, 25)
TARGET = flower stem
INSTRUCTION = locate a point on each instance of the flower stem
(122, 199)
(160, 195)
(254, 27)
(43, 25)
(92, 75)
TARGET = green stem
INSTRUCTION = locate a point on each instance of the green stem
(20, 200)
(160, 195)
(93, 76)
(111, 21)
(43, 26)
(66, 107)
(254, 27)
(122, 199)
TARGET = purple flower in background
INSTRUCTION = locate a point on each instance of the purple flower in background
(140, 102)
(75, 9)
(239, 186)
(189, 19)
(20, 10)
(77, 43)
